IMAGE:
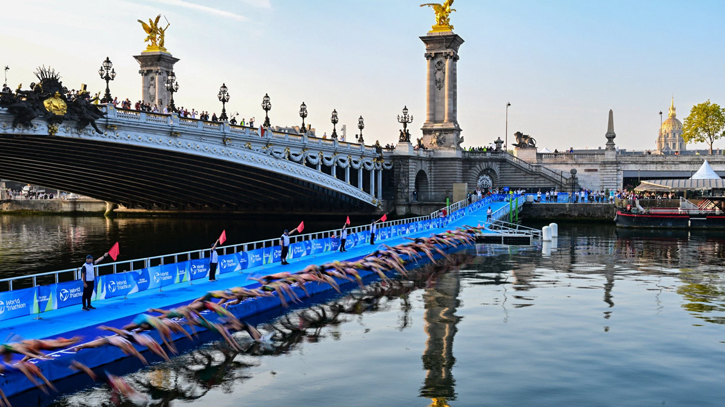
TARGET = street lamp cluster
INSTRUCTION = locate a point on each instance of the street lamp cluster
(107, 73)
(172, 87)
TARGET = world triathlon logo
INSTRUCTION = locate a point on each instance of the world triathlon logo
(112, 286)
(2, 307)
(64, 295)
(157, 277)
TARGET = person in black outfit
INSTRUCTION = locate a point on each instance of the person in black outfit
(373, 230)
(88, 276)
(284, 242)
(343, 237)
(213, 261)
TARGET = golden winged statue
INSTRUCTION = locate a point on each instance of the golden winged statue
(156, 34)
(443, 12)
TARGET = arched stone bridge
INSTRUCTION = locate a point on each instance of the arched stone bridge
(148, 160)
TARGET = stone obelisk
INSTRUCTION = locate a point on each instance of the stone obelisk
(441, 129)
(156, 64)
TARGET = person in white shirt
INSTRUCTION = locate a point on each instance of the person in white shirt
(284, 242)
(538, 196)
(213, 261)
(343, 237)
(547, 196)
(373, 230)
(489, 213)
(88, 275)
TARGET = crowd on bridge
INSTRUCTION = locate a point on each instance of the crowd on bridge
(141, 106)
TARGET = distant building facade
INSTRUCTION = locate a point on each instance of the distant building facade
(670, 138)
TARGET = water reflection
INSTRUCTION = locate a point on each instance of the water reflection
(193, 375)
(440, 303)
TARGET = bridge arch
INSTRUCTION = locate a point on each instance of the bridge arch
(422, 186)
(484, 175)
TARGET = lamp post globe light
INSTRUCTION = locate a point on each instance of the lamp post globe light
(405, 119)
(334, 119)
(303, 114)
(267, 106)
(223, 96)
(107, 73)
(172, 87)
(361, 126)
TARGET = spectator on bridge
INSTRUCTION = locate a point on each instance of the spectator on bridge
(233, 120)
(343, 237)
(88, 276)
(214, 118)
(251, 122)
(284, 242)
(115, 101)
(213, 261)
(489, 214)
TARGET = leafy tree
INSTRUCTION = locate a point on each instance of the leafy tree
(704, 124)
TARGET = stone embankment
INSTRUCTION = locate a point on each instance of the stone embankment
(570, 211)
(52, 206)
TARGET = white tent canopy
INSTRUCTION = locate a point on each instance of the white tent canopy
(705, 172)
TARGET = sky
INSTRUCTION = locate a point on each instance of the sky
(562, 64)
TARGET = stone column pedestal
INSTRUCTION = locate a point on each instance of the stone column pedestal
(441, 129)
(155, 68)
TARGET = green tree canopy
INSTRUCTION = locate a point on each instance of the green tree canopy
(704, 124)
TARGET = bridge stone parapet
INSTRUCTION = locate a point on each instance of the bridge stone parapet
(602, 169)
(351, 169)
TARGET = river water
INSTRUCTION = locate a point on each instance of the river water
(609, 317)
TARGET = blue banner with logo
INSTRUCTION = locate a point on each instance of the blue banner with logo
(297, 250)
(16, 303)
(198, 269)
(44, 300)
(117, 285)
(229, 263)
(68, 294)
(243, 259)
(318, 245)
(255, 258)
(277, 254)
(334, 244)
(161, 276)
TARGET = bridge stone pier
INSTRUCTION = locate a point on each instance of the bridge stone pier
(163, 162)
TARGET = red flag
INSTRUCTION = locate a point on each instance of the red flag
(384, 218)
(347, 222)
(261, 131)
(301, 227)
(114, 252)
(223, 237)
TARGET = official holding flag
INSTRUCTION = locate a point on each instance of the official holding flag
(343, 237)
(214, 256)
(284, 242)
(88, 276)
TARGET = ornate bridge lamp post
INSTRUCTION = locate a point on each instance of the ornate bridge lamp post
(361, 126)
(172, 87)
(224, 98)
(267, 106)
(303, 114)
(405, 119)
(334, 121)
(107, 73)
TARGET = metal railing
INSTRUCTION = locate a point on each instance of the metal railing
(137, 264)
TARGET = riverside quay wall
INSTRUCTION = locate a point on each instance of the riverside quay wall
(52, 206)
(570, 211)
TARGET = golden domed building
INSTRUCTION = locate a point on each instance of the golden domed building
(670, 137)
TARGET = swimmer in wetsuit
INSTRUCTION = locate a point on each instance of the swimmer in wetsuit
(38, 345)
(117, 341)
(139, 339)
(30, 371)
